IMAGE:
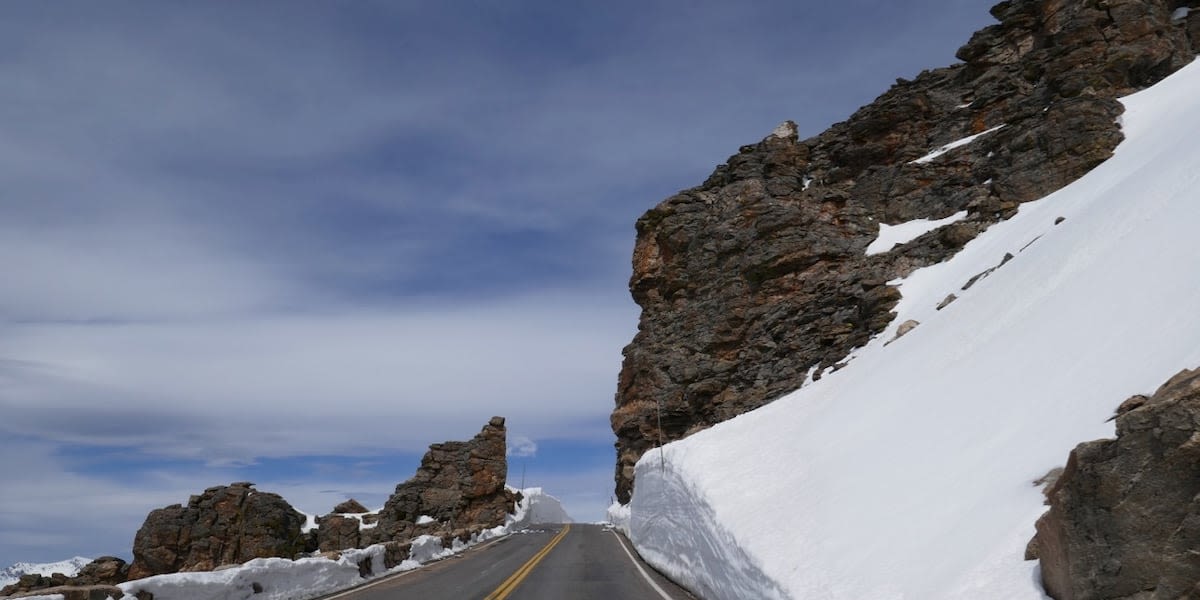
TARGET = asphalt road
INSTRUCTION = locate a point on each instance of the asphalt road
(584, 562)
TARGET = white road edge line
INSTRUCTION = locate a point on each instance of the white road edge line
(645, 575)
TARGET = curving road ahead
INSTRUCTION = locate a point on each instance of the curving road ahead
(584, 562)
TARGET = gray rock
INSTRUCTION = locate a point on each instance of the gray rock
(1124, 518)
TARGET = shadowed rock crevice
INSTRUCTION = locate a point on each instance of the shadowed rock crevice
(759, 275)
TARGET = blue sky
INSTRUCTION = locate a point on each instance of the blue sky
(297, 242)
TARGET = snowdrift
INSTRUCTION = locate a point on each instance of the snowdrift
(908, 474)
(536, 508)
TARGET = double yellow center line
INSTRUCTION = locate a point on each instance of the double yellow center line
(512, 582)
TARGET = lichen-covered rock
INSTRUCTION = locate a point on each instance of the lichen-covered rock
(1124, 518)
(759, 275)
(224, 525)
(459, 485)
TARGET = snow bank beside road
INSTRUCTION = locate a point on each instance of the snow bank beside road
(908, 473)
(537, 507)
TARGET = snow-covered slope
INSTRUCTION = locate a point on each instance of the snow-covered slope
(69, 567)
(537, 507)
(908, 474)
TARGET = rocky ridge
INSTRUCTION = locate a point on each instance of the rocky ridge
(1124, 518)
(459, 487)
(758, 278)
(94, 581)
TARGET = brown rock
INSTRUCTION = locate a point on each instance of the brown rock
(946, 301)
(337, 532)
(1124, 518)
(224, 525)
(458, 483)
(759, 274)
(350, 506)
(905, 327)
(106, 570)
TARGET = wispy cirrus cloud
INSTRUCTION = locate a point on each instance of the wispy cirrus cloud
(244, 234)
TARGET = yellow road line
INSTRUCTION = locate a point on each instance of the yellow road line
(515, 579)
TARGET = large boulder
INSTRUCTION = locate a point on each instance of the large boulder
(460, 485)
(1124, 518)
(759, 277)
(224, 525)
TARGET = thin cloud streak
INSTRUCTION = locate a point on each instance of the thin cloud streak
(269, 230)
(327, 383)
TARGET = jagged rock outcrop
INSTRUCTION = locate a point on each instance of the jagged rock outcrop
(460, 485)
(224, 525)
(1124, 518)
(759, 276)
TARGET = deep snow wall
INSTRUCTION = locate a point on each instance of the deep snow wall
(758, 277)
(908, 474)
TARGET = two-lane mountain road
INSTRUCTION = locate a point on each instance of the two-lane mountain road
(554, 562)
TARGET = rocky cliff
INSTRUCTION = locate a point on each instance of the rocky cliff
(1124, 518)
(759, 277)
(459, 487)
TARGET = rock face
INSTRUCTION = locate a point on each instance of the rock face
(1124, 518)
(224, 525)
(759, 276)
(459, 484)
